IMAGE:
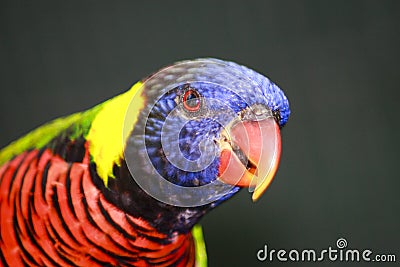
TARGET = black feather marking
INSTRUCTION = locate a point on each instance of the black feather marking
(93, 223)
(31, 201)
(31, 228)
(61, 252)
(30, 232)
(68, 189)
(141, 231)
(59, 214)
(69, 150)
(40, 154)
(3, 260)
(86, 209)
(26, 264)
(151, 260)
(53, 231)
(113, 224)
(62, 257)
(17, 233)
(44, 179)
(136, 226)
(161, 241)
(23, 180)
(105, 251)
(77, 150)
(30, 217)
(101, 263)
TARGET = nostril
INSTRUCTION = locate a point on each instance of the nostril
(257, 112)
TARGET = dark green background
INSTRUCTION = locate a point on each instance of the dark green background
(337, 61)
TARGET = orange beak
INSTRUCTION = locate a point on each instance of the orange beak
(250, 153)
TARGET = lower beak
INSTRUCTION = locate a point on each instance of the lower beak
(250, 153)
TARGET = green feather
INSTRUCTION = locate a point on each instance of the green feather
(79, 123)
(200, 246)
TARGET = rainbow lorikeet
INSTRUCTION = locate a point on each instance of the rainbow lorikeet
(126, 182)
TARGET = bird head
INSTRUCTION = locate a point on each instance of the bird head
(207, 128)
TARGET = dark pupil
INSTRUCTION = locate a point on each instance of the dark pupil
(192, 100)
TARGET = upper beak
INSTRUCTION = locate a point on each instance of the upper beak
(250, 151)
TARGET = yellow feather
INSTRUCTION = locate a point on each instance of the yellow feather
(111, 128)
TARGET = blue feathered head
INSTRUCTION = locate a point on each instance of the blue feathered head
(209, 127)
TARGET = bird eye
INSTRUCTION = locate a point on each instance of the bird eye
(191, 100)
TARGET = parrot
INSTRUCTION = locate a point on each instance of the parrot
(126, 182)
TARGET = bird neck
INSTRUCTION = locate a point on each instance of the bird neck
(127, 195)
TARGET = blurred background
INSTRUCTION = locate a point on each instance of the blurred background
(337, 61)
